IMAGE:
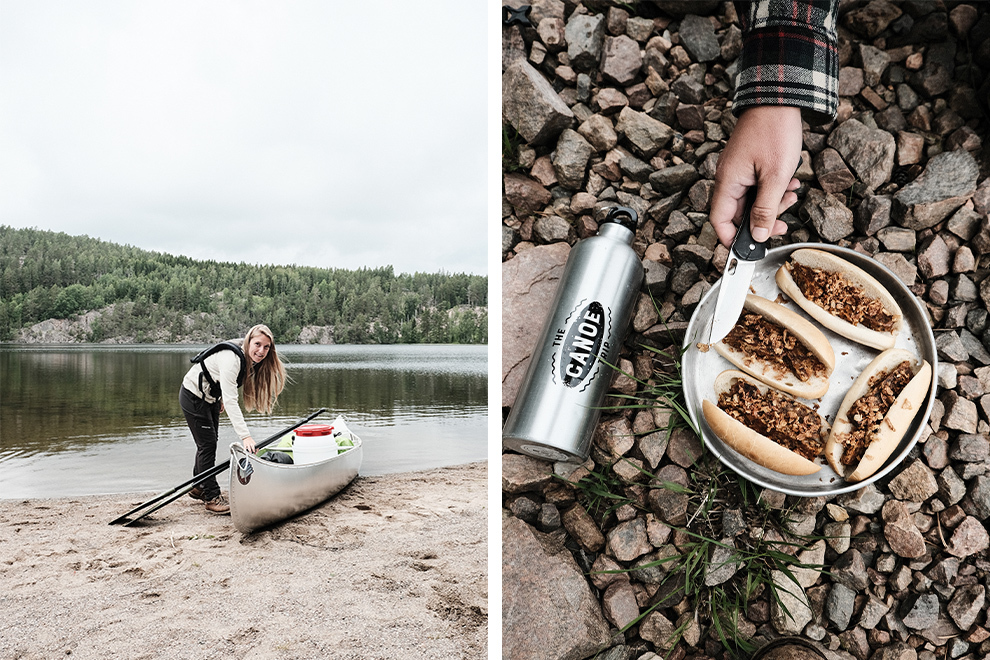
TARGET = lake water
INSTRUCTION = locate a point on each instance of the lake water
(96, 419)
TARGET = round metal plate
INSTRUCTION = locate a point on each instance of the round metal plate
(701, 368)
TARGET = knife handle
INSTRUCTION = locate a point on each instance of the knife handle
(743, 244)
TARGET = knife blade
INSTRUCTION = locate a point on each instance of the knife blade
(737, 276)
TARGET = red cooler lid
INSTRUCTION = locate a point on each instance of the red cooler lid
(314, 429)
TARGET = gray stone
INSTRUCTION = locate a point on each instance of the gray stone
(529, 283)
(582, 528)
(970, 448)
(619, 604)
(947, 182)
(698, 38)
(599, 132)
(791, 611)
(524, 194)
(722, 565)
(840, 605)
(872, 19)
(898, 239)
(548, 609)
(867, 500)
(850, 569)
(621, 60)
(644, 133)
(951, 488)
(570, 159)
(531, 106)
(902, 534)
(675, 179)
(873, 214)
(689, 89)
(522, 474)
(552, 228)
(966, 605)
(905, 271)
(828, 214)
(934, 258)
(920, 611)
(873, 611)
(585, 34)
(968, 538)
(960, 413)
(628, 541)
(869, 152)
(978, 497)
(915, 483)
(951, 348)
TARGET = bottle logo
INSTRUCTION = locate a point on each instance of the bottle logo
(582, 344)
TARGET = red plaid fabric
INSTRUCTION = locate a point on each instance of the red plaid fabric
(789, 57)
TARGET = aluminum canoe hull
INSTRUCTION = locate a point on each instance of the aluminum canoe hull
(263, 493)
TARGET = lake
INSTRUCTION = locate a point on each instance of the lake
(92, 419)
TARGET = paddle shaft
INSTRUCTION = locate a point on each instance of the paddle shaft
(178, 491)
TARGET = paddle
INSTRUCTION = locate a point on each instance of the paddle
(183, 488)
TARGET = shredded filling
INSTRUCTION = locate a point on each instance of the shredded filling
(758, 338)
(840, 297)
(867, 413)
(790, 424)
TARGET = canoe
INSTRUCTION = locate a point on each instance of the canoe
(263, 493)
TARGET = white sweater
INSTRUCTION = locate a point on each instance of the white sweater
(223, 367)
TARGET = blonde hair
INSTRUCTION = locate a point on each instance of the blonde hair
(265, 380)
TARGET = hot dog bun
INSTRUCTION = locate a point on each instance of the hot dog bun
(780, 375)
(751, 443)
(855, 278)
(883, 437)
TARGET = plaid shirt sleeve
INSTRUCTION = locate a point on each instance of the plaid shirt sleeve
(789, 57)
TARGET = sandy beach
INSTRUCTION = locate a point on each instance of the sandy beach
(394, 566)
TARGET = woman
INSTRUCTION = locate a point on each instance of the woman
(210, 387)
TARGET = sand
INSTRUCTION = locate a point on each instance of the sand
(393, 567)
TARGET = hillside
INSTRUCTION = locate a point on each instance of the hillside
(58, 287)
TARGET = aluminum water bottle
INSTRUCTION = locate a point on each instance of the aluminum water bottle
(569, 374)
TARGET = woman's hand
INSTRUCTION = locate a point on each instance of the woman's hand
(249, 445)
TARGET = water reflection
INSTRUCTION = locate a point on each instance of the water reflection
(99, 419)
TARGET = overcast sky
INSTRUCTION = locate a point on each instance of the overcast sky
(323, 133)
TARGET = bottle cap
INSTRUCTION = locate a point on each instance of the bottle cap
(623, 215)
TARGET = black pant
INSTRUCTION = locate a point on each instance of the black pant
(204, 421)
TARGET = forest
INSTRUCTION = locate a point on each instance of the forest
(154, 297)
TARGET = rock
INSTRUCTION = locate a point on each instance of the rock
(722, 565)
(869, 152)
(529, 282)
(840, 605)
(829, 215)
(832, 173)
(548, 609)
(644, 133)
(619, 604)
(552, 228)
(978, 497)
(966, 605)
(658, 629)
(584, 34)
(522, 474)
(621, 60)
(910, 148)
(674, 179)
(872, 19)
(873, 611)
(902, 534)
(790, 612)
(570, 159)
(531, 106)
(599, 132)
(968, 538)
(698, 38)
(582, 528)
(934, 258)
(916, 483)
(920, 611)
(873, 214)
(947, 182)
(850, 569)
(970, 448)
(867, 500)
(960, 413)
(898, 239)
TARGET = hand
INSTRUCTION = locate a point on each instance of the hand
(764, 149)
(249, 445)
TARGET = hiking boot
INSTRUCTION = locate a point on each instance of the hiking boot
(197, 493)
(218, 505)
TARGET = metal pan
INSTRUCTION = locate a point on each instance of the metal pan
(701, 368)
